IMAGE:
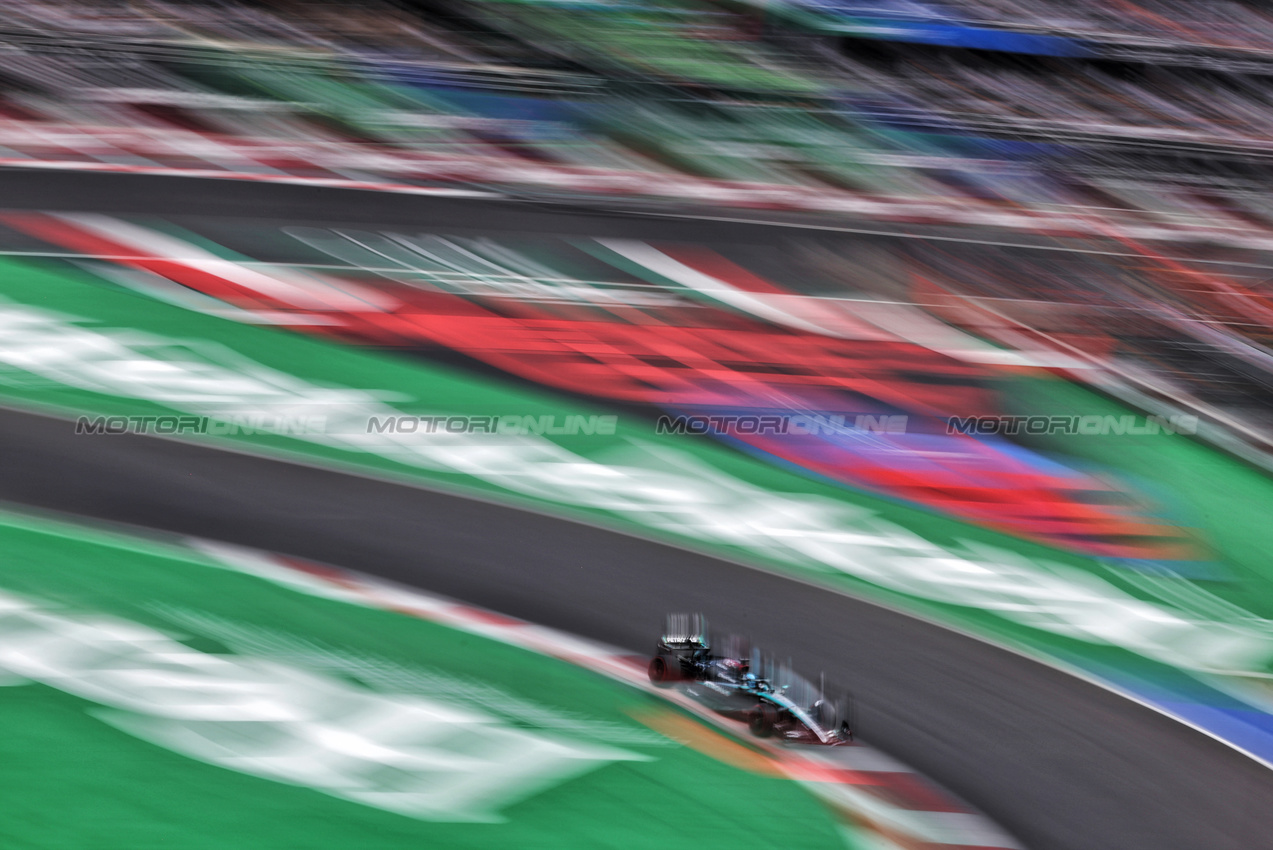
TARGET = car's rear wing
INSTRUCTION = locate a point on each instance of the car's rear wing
(685, 631)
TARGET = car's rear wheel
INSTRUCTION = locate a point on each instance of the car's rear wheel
(664, 670)
(762, 720)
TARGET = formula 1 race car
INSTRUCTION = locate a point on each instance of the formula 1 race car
(794, 710)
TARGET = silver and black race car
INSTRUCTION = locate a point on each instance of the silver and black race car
(740, 683)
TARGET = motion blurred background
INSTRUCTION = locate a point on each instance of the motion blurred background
(1140, 130)
(965, 307)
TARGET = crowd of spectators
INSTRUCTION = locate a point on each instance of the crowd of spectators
(1203, 23)
(715, 91)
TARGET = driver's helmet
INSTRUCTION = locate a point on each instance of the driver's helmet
(749, 680)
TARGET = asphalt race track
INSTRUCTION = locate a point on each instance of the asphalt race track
(1058, 762)
(36, 189)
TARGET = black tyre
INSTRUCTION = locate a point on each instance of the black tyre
(664, 670)
(762, 720)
